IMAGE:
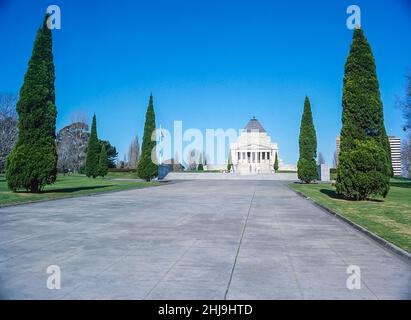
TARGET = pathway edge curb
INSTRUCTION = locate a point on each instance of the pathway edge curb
(386, 244)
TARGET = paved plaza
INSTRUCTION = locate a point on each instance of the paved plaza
(192, 240)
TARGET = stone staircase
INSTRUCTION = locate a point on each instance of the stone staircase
(230, 176)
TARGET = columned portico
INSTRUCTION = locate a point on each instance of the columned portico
(245, 156)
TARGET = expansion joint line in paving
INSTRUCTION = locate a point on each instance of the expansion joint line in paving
(239, 245)
(169, 269)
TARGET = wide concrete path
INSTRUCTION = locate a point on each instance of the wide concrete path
(192, 240)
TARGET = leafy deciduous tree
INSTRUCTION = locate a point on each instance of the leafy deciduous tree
(321, 159)
(8, 126)
(111, 153)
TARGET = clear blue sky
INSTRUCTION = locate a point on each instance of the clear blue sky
(211, 64)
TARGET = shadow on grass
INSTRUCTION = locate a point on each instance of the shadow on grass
(305, 184)
(68, 190)
(334, 195)
(75, 189)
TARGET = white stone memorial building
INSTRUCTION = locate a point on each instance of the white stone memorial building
(253, 152)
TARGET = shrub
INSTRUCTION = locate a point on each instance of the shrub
(121, 170)
(82, 169)
(31, 166)
(307, 170)
(333, 173)
(363, 171)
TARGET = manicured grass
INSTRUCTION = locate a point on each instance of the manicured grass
(68, 186)
(389, 218)
(122, 175)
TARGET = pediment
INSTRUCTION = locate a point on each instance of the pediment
(255, 146)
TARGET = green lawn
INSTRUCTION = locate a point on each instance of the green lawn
(122, 175)
(389, 218)
(68, 186)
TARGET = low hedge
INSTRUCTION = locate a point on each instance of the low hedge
(121, 170)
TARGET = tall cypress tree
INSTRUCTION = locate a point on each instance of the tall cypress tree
(229, 162)
(307, 168)
(147, 169)
(93, 152)
(33, 162)
(276, 162)
(363, 120)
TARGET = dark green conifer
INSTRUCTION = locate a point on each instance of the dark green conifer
(103, 163)
(147, 168)
(362, 119)
(307, 168)
(93, 152)
(276, 162)
(32, 164)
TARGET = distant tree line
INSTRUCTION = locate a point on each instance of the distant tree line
(8, 126)
(405, 104)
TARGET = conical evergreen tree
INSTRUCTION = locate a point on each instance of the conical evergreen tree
(229, 162)
(276, 162)
(103, 163)
(307, 168)
(362, 118)
(200, 166)
(93, 152)
(147, 169)
(33, 161)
